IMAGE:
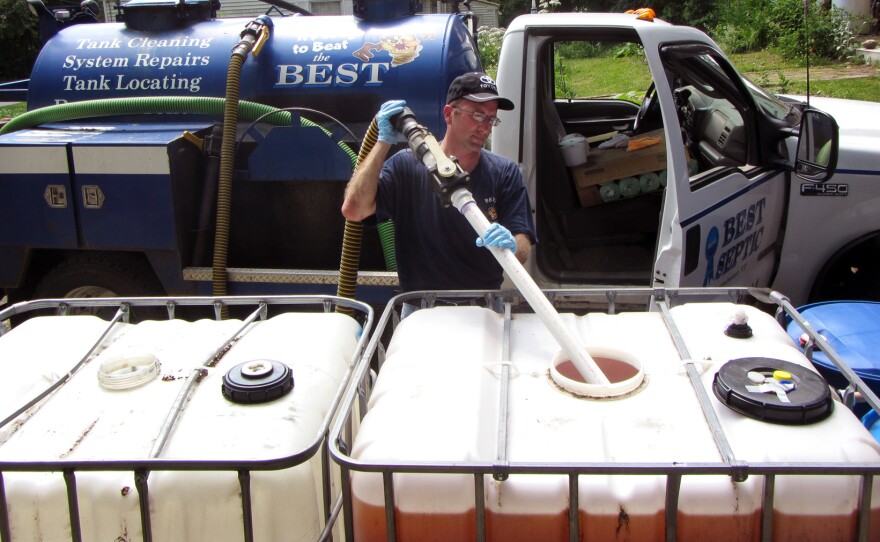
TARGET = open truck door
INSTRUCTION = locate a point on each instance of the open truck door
(728, 175)
(696, 195)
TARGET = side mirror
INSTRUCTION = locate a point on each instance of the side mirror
(817, 146)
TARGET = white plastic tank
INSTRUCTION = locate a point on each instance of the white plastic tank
(437, 400)
(84, 420)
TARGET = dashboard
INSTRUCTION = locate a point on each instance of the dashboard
(712, 129)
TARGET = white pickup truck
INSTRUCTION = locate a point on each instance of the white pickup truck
(736, 208)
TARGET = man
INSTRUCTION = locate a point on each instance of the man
(435, 248)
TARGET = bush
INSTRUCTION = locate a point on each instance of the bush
(19, 40)
(580, 49)
(702, 14)
(749, 25)
(745, 26)
(826, 32)
(489, 42)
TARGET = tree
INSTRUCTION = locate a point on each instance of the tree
(19, 41)
(510, 9)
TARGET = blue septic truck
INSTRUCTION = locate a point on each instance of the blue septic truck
(113, 182)
(176, 153)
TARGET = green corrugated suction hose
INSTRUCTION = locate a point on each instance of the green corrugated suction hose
(148, 105)
(152, 105)
(208, 106)
(386, 236)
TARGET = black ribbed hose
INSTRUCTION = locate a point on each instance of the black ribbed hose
(224, 183)
(351, 239)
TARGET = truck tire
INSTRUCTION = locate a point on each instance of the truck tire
(102, 275)
(854, 273)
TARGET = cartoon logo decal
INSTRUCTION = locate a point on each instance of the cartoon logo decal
(403, 48)
(322, 68)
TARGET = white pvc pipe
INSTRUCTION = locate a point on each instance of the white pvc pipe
(463, 200)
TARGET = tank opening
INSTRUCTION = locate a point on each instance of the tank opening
(623, 370)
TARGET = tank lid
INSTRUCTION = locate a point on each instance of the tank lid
(384, 10)
(753, 387)
(157, 15)
(257, 381)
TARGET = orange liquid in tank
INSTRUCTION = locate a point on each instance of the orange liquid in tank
(369, 524)
(828, 528)
(615, 370)
(720, 528)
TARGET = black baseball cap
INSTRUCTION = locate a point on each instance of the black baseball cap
(476, 87)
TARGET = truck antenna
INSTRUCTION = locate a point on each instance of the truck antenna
(809, 44)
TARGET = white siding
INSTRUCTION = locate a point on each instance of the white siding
(251, 8)
(486, 12)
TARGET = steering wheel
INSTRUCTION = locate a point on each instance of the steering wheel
(649, 106)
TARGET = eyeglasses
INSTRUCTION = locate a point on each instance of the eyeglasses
(480, 117)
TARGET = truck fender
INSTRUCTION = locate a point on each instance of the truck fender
(853, 272)
(100, 274)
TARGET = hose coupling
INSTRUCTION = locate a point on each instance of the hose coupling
(444, 170)
(254, 36)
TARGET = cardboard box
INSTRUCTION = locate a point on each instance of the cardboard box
(612, 164)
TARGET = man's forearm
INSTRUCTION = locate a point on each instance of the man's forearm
(360, 193)
(523, 247)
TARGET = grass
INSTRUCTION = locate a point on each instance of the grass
(12, 110)
(864, 88)
(835, 79)
(769, 60)
(606, 76)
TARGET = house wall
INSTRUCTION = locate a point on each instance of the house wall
(486, 12)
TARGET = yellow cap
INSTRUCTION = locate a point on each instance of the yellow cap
(781, 375)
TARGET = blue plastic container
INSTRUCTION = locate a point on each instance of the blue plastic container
(870, 420)
(852, 328)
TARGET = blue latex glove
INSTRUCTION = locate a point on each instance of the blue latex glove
(498, 236)
(387, 133)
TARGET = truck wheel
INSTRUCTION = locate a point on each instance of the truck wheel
(102, 275)
(854, 274)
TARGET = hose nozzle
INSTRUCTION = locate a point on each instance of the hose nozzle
(254, 36)
(447, 174)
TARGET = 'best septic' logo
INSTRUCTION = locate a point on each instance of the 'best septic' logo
(743, 233)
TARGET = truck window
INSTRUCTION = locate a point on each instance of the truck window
(590, 231)
(714, 113)
(597, 86)
(597, 70)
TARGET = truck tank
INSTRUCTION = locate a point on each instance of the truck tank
(341, 65)
(288, 181)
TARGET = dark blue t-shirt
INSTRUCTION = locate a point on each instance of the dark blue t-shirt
(435, 246)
